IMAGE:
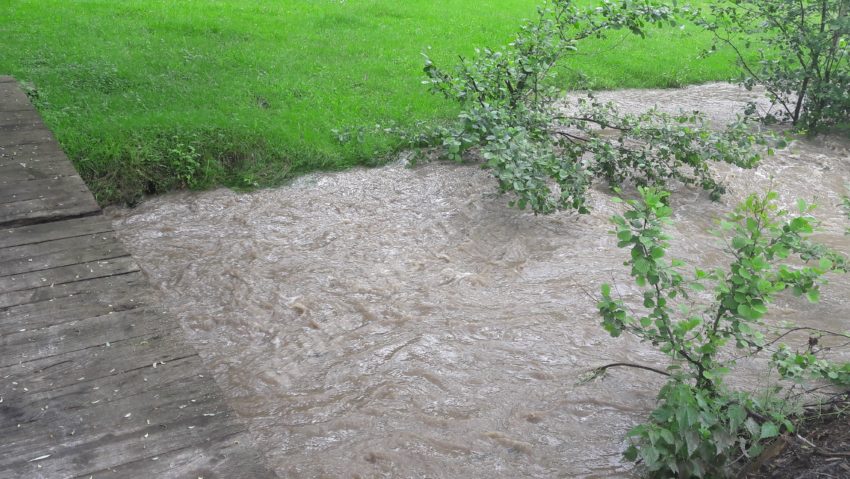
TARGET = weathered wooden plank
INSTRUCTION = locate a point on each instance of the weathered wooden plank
(44, 314)
(58, 253)
(112, 374)
(12, 97)
(67, 197)
(156, 421)
(18, 119)
(64, 242)
(75, 431)
(85, 424)
(28, 407)
(34, 161)
(38, 135)
(14, 126)
(17, 172)
(65, 310)
(93, 364)
(39, 188)
(51, 410)
(32, 234)
(68, 274)
(31, 406)
(227, 458)
(37, 298)
(60, 203)
(94, 380)
(14, 169)
(31, 151)
(70, 336)
(60, 191)
(116, 385)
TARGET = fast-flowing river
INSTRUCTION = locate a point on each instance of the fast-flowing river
(398, 322)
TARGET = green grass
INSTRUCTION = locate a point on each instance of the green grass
(151, 95)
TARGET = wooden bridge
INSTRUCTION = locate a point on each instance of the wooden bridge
(95, 381)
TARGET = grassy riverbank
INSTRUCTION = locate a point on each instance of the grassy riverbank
(151, 95)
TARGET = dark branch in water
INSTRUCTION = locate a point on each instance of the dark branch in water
(602, 369)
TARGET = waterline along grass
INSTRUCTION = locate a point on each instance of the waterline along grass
(151, 95)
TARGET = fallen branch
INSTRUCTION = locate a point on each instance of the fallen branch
(819, 450)
(601, 369)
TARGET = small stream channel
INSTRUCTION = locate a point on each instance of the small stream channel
(398, 322)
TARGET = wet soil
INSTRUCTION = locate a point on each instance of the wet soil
(819, 448)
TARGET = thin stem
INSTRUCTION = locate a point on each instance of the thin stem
(602, 369)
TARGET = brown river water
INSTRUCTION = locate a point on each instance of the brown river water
(398, 322)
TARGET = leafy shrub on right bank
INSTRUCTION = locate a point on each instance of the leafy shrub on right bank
(708, 322)
(799, 51)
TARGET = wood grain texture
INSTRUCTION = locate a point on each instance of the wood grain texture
(37, 181)
(95, 380)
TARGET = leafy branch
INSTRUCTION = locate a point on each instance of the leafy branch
(699, 423)
(799, 51)
(547, 157)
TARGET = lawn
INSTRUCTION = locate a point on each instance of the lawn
(151, 95)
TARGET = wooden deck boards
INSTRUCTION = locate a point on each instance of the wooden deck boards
(95, 381)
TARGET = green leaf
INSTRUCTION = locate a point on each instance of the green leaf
(768, 430)
(753, 427)
(745, 312)
(801, 225)
(763, 285)
(667, 436)
(722, 440)
(813, 295)
(692, 440)
(686, 326)
(740, 242)
(737, 415)
(651, 456)
(637, 252)
(759, 308)
(631, 453)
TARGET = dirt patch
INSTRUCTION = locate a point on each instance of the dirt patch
(820, 448)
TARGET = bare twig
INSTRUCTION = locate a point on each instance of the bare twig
(602, 369)
(819, 450)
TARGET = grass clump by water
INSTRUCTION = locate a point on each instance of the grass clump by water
(147, 96)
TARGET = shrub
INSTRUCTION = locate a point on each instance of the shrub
(700, 426)
(547, 155)
(799, 51)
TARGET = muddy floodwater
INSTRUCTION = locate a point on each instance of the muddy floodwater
(398, 322)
